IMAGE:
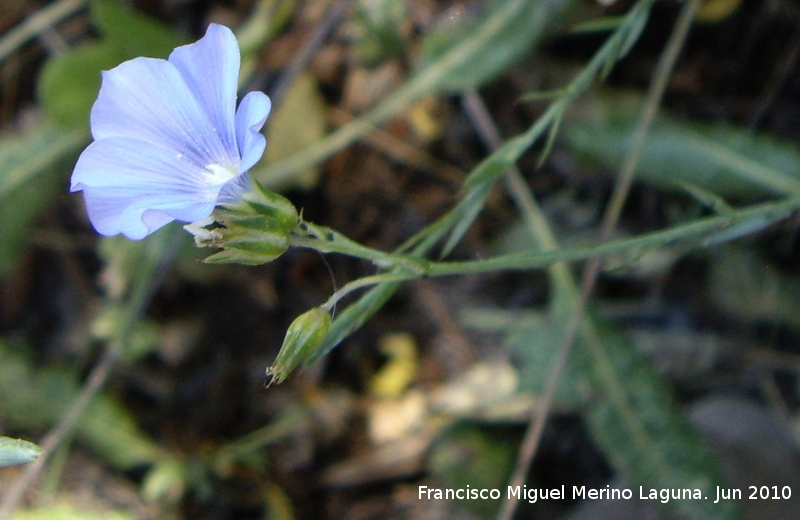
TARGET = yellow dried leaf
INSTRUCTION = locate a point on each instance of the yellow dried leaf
(401, 368)
(712, 11)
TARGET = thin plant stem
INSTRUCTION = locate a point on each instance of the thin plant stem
(366, 281)
(655, 93)
(706, 231)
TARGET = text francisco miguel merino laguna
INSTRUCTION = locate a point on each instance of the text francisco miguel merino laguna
(532, 495)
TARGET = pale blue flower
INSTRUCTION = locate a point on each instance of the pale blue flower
(169, 143)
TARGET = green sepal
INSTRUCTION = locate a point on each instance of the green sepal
(303, 338)
(277, 208)
(254, 230)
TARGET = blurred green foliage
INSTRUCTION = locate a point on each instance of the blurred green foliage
(474, 456)
(30, 178)
(379, 29)
(35, 399)
(719, 158)
(67, 510)
(69, 83)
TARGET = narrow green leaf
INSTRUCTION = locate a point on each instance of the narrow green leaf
(546, 95)
(65, 510)
(639, 428)
(707, 198)
(602, 24)
(469, 208)
(481, 179)
(724, 160)
(493, 166)
(509, 30)
(551, 141)
(633, 35)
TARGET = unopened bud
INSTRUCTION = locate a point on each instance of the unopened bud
(303, 337)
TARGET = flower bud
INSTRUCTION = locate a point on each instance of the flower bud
(303, 337)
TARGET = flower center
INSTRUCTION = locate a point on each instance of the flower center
(217, 174)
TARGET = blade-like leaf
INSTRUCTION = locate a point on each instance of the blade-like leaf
(65, 510)
(724, 160)
(636, 423)
(494, 40)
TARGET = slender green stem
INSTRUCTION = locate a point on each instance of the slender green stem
(366, 281)
(578, 301)
(489, 171)
(326, 240)
(707, 231)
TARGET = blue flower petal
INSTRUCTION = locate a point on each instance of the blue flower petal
(250, 117)
(138, 178)
(210, 68)
(147, 99)
(104, 208)
(114, 211)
